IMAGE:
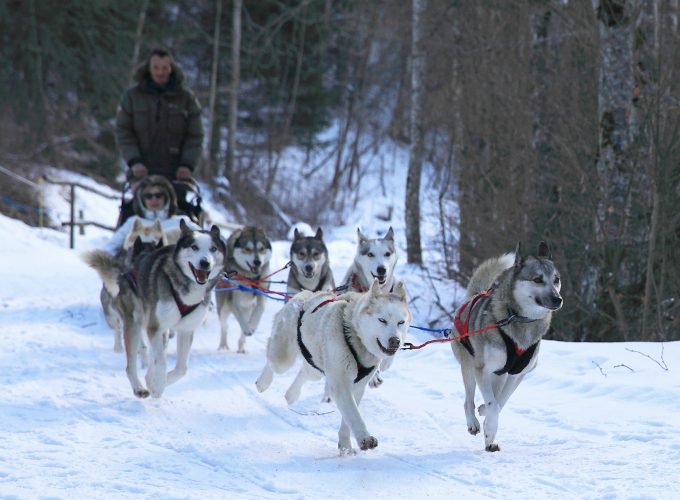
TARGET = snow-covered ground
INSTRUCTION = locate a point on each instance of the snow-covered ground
(592, 421)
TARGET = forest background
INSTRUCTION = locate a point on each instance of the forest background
(534, 119)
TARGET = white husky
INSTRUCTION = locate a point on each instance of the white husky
(376, 258)
(342, 337)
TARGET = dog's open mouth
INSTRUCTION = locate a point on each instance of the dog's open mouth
(381, 278)
(200, 274)
(253, 269)
(389, 352)
(308, 274)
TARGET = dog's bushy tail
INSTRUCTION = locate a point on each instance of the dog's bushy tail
(487, 272)
(107, 267)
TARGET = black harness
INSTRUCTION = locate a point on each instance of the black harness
(517, 359)
(362, 370)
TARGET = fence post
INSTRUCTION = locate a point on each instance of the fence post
(73, 216)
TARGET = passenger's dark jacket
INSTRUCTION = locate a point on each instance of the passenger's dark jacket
(159, 127)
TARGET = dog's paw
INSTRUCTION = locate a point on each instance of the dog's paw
(142, 393)
(493, 447)
(346, 451)
(376, 381)
(474, 428)
(368, 443)
(223, 347)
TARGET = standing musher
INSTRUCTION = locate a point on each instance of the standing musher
(158, 123)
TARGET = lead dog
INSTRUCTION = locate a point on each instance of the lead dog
(248, 254)
(170, 291)
(343, 338)
(518, 295)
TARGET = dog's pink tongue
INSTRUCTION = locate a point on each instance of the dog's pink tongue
(201, 276)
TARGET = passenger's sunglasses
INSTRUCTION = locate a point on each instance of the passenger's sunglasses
(150, 196)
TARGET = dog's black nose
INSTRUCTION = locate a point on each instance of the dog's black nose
(556, 301)
(394, 342)
(204, 264)
(257, 262)
(309, 268)
(381, 271)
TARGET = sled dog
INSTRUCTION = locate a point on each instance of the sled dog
(376, 258)
(149, 238)
(344, 338)
(248, 254)
(310, 268)
(519, 295)
(169, 290)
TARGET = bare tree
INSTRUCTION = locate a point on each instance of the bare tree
(415, 164)
(209, 158)
(235, 84)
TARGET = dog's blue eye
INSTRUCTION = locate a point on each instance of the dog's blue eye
(382, 320)
(401, 322)
(370, 254)
(213, 249)
(194, 248)
(538, 280)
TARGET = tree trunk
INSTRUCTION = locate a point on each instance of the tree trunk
(141, 20)
(415, 164)
(235, 83)
(212, 129)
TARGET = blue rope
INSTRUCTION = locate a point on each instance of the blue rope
(444, 332)
(244, 288)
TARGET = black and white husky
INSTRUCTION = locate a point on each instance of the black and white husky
(310, 268)
(169, 290)
(517, 294)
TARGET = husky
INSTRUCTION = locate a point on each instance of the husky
(376, 258)
(518, 295)
(141, 238)
(310, 268)
(344, 338)
(171, 290)
(248, 254)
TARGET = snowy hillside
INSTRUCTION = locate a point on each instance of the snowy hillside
(592, 421)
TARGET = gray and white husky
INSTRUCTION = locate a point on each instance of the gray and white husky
(310, 268)
(517, 294)
(343, 338)
(170, 290)
(376, 258)
(248, 254)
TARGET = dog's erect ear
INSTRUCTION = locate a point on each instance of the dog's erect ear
(362, 237)
(157, 226)
(319, 234)
(375, 288)
(184, 228)
(390, 234)
(215, 231)
(296, 235)
(518, 256)
(137, 225)
(400, 291)
(544, 251)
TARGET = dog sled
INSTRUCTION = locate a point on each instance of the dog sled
(188, 201)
